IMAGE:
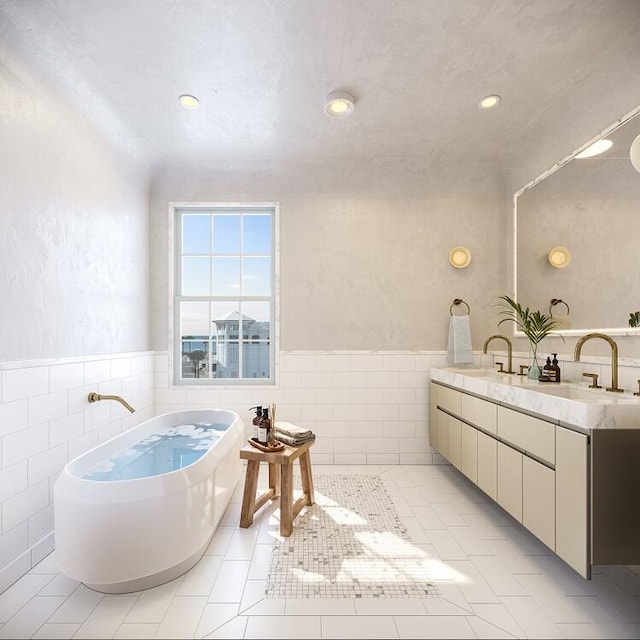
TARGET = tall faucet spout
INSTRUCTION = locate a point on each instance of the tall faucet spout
(95, 397)
(509, 350)
(614, 356)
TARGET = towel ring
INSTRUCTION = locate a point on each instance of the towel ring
(554, 302)
(456, 302)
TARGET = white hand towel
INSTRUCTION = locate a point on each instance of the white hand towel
(459, 349)
(292, 430)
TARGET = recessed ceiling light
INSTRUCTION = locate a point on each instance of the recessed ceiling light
(188, 101)
(339, 104)
(489, 101)
(598, 147)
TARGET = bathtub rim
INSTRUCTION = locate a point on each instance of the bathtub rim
(69, 471)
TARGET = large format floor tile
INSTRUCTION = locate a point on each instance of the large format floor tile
(493, 579)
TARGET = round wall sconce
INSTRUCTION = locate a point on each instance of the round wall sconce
(559, 257)
(634, 154)
(339, 104)
(460, 257)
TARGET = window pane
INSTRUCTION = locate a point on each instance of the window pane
(255, 360)
(194, 321)
(196, 276)
(256, 276)
(196, 233)
(256, 234)
(226, 276)
(226, 234)
(226, 364)
(195, 359)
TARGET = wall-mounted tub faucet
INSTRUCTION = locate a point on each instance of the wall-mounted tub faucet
(95, 397)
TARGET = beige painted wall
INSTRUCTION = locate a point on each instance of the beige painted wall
(359, 273)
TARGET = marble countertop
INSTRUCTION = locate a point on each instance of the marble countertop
(567, 403)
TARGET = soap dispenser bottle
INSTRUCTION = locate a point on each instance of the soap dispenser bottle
(256, 421)
(545, 376)
(555, 369)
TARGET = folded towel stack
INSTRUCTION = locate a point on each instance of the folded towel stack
(292, 434)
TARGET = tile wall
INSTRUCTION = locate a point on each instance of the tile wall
(45, 421)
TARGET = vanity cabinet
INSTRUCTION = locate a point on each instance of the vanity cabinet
(535, 470)
(573, 487)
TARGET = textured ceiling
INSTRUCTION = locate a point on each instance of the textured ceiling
(261, 69)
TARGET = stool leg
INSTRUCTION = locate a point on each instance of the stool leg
(286, 500)
(307, 480)
(274, 479)
(249, 495)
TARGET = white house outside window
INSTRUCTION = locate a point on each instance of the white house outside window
(224, 305)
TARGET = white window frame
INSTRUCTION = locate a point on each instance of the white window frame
(176, 209)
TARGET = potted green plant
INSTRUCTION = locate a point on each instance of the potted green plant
(535, 325)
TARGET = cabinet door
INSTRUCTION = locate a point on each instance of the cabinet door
(572, 499)
(455, 442)
(442, 433)
(480, 412)
(488, 465)
(433, 414)
(469, 454)
(510, 480)
(530, 434)
(539, 501)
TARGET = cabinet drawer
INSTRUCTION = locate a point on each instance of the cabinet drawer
(539, 501)
(528, 433)
(442, 434)
(469, 454)
(510, 480)
(480, 412)
(488, 465)
(455, 441)
(449, 399)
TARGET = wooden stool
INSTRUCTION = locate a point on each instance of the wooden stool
(280, 483)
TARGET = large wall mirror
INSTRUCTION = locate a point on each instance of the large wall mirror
(586, 209)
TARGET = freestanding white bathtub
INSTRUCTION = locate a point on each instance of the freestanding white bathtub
(141, 508)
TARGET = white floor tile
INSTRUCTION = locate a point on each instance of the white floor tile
(446, 545)
(484, 629)
(220, 541)
(380, 626)
(242, 544)
(106, 618)
(254, 602)
(46, 565)
(78, 606)
(131, 631)
(530, 617)
(31, 617)
(50, 631)
(579, 631)
(230, 582)
(260, 562)
(283, 627)
(214, 616)
(233, 629)
(152, 604)
(497, 577)
(473, 586)
(498, 615)
(390, 606)
(427, 517)
(433, 627)
(199, 580)
(182, 618)
(320, 607)
(416, 533)
(60, 585)
(443, 607)
(19, 593)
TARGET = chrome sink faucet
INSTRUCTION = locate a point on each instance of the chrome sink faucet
(614, 356)
(509, 350)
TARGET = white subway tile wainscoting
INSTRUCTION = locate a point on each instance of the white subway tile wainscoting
(45, 421)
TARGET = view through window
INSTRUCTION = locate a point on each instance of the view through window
(224, 293)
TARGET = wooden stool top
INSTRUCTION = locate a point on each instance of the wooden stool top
(286, 456)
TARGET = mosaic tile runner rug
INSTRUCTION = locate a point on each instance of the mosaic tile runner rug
(350, 544)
